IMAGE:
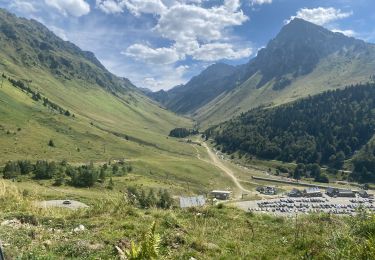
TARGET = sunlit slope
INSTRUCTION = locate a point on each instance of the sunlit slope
(336, 71)
(98, 133)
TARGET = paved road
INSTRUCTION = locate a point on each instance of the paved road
(217, 162)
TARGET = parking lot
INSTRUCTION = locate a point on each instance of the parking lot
(291, 206)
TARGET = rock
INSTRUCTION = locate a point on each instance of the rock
(212, 246)
(47, 243)
(80, 228)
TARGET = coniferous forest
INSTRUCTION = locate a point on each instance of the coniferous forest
(324, 129)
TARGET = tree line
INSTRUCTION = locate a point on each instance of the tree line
(36, 96)
(325, 129)
(63, 173)
(182, 132)
(364, 164)
(140, 198)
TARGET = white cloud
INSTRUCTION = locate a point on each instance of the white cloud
(194, 31)
(109, 6)
(150, 55)
(136, 7)
(184, 22)
(70, 7)
(218, 51)
(22, 6)
(260, 2)
(349, 33)
(170, 76)
(321, 15)
(59, 32)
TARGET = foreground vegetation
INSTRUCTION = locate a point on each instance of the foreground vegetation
(210, 232)
(326, 129)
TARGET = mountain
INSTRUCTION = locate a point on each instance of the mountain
(52, 90)
(200, 90)
(303, 59)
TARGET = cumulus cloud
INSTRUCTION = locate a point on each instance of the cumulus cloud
(189, 22)
(218, 51)
(260, 2)
(70, 7)
(109, 6)
(150, 55)
(321, 15)
(136, 7)
(194, 31)
(171, 76)
(349, 33)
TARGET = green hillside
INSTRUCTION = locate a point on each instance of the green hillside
(108, 117)
(325, 129)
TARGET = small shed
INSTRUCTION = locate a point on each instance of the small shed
(188, 202)
(295, 193)
(221, 194)
(312, 192)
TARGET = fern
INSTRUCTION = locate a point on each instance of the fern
(148, 248)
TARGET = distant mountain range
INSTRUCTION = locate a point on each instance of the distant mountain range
(303, 59)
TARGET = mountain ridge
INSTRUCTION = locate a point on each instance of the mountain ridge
(303, 59)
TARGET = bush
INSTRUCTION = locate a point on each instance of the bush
(45, 170)
(84, 176)
(11, 170)
(51, 143)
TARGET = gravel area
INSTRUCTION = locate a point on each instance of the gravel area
(70, 204)
(292, 206)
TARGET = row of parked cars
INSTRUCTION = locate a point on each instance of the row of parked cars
(308, 205)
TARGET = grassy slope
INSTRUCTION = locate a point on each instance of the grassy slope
(205, 233)
(342, 71)
(77, 140)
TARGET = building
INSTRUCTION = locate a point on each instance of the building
(331, 191)
(221, 194)
(364, 194)
(188, 202)
(335, 192)
(312, 192)
(345, 193)
(268, 190)
(295, 193)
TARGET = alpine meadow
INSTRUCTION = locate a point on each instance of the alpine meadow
(187, 129)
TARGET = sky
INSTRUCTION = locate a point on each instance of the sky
(159, 44)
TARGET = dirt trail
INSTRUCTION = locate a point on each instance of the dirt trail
(217, 162)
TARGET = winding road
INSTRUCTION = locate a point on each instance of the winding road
(217, 162)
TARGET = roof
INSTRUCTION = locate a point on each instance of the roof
(186, 202)
(312, 190)
(221, 191)
(344, 191)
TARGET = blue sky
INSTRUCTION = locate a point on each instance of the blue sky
(162, 43)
